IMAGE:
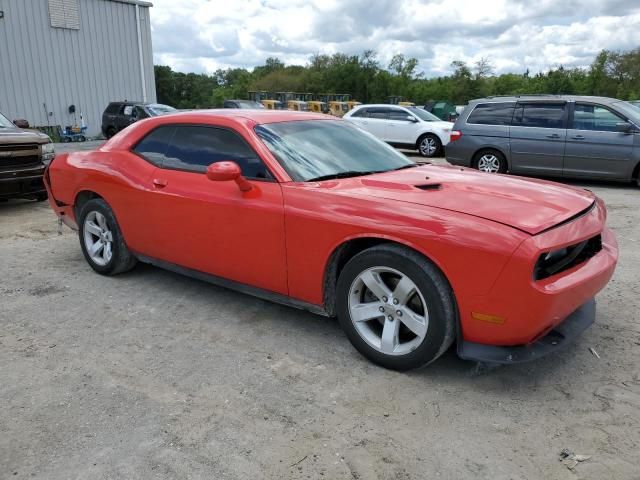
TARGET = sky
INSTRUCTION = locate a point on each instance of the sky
(515, 35)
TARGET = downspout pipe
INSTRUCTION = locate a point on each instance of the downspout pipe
(141, 57)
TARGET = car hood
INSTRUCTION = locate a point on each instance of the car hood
(18, 135)
(526, 204)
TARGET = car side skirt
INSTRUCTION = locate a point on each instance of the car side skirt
(558, 337)
(232, 285)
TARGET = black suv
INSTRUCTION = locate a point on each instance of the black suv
(119, 115)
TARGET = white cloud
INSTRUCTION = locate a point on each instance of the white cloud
(204, 35)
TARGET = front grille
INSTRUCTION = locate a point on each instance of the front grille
(22, 161)
(19, 147)
(551, 263)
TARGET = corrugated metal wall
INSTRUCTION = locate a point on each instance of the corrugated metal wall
(59, 67)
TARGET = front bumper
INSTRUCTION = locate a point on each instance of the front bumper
(22, 183)
(519, 310)
(561, 335)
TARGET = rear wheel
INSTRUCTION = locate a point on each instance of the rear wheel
(396, 307)
(429, 145)
(111, 131)
(490, 161)
(101, 240)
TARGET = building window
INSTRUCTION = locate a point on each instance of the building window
(64, 14)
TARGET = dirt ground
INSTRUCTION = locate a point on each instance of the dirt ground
(154, 375)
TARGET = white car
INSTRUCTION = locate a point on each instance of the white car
(403, 127)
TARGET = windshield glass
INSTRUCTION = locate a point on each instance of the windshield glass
(629, 110)
(310, 149)
(159, 109)
(423, 114)
(5, 123)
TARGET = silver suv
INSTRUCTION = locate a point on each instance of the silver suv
(549, 135)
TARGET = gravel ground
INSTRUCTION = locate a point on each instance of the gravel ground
(154, 375)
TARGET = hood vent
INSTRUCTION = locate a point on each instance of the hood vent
(429, 186)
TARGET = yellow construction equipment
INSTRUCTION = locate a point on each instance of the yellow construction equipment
(272, 104)
(297, 106)
(317, 106)
(338, 109)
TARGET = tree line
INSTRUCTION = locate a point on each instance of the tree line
(611, 74)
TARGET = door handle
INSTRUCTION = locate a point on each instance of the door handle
(578, 137)
(160, 182)
(553, 135)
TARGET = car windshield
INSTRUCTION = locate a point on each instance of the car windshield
(5, 123)
(159, 109)
(423, 114)
(630, 110)
(319, 149)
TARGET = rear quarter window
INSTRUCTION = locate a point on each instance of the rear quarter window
(492, 114)
(153, 147)
(112, 108)
(362, 112)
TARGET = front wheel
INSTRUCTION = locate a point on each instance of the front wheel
(101, 240)
(429, 145)
(396, 307)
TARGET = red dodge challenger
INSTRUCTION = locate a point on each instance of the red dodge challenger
(312, 212)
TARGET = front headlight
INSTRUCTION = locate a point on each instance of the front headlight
(47, 148)
(48, 153)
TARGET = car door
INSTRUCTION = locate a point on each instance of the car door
(594, 146)
(400, 130)
(537, 138)
(375, 121)
(212, 226)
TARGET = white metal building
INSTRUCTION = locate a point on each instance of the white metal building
(55, 54)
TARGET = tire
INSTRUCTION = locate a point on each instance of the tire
(429, 145)
(66, 139)
(97, 224)
(110, 132)
(432, 326)
(41, 197)
(82, 138)
(490, 161)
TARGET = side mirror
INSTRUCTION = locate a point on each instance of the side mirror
(624, 127)
(226, 171)
(21, 123)
(412, 119)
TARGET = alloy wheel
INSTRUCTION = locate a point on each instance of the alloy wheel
(489, 163)
(428, 147)
(388, 310)
(98, 238)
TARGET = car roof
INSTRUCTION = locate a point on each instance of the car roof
(255, 116)
(544, 98)
(380, 105)
(128, 102)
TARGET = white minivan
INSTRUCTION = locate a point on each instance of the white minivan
(403, 127)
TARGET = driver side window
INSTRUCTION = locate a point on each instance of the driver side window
(194, 148)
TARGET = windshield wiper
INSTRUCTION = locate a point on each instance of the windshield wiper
(411, 165)
(347, 174)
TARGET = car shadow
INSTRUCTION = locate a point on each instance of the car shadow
(317, 333)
